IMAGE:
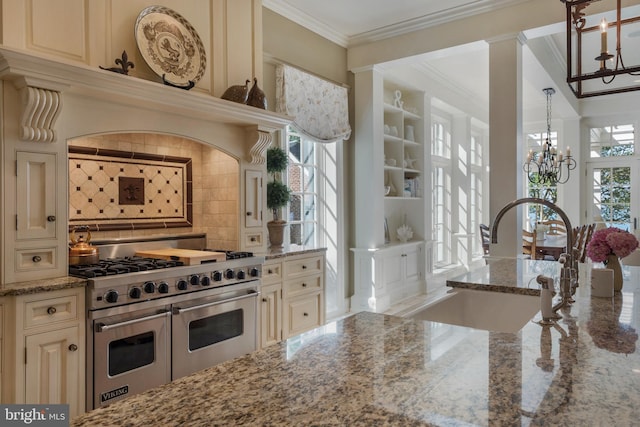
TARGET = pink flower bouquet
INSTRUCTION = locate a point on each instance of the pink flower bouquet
(611, 241)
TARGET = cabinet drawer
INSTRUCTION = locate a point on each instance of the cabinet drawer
(271, 273)
(303, 285)
(303, 266)
(253, 239)
(303, 314)
(47, 311)
(35, 259)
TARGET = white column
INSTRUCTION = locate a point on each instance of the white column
(369, 159)
(505, 139)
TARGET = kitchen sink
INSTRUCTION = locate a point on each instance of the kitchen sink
(488, 310)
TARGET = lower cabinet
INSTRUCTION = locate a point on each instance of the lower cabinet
(292, 296)
(46, 364)
(271, 314)
(388, 275)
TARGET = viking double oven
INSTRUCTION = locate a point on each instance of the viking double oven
(151, 321)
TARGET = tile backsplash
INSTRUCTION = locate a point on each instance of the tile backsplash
(142, 184)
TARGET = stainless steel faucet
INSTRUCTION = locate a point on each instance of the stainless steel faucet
(568, 273)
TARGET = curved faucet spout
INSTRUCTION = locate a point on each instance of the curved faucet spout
(550, 205)
(569, 270)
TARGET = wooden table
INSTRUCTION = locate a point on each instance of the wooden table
(553, 245)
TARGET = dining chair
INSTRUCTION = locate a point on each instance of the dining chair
(587, 237)
(485, 234)
(579, 234)
(529, 244)
(556, 226)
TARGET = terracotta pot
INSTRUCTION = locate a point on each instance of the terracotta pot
(276, 232)
(80, 251)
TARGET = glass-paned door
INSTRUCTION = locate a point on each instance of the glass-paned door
(614, 201)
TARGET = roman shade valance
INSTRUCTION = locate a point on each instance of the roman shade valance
(319, 108)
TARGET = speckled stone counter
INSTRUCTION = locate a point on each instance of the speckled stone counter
(289, 250)
(44, 285)
(513, 275)
(377, 370)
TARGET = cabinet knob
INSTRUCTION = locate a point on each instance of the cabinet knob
(264, 300)
(51, 218)
(305, 314)
(249, 213)
(270, 271)
(73, 347)
(253, 239)
(36, 258)
(304, 285)
(51, 310)
(304, 267)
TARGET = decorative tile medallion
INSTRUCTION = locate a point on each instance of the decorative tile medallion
(120, 190)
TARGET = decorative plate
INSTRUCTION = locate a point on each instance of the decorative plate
(170, 46)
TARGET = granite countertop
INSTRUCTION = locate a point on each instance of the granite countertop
(289, 250)
(44, 285)
(374, 369)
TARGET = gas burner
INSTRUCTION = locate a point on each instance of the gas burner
(129, 264)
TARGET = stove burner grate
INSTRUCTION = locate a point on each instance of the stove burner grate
(111, 266)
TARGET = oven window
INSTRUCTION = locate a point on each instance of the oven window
(130, 353)
(211, 330)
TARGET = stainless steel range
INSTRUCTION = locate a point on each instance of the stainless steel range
(151, 321)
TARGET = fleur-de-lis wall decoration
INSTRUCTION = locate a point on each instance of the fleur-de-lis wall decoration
(124, 64)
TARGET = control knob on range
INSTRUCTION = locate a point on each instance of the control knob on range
(111, 296)
(217, 276)
(205, 281)
(254, 272)
(182, 285)
(229, 274)
(163, 287)
(194, 280)
(240, 275)
(149, 287)
(135, 292)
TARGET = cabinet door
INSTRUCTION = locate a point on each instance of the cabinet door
(253, 198)
(53, 368)
(302, 314)
(412, 264)
(271, 316)
(36, 195)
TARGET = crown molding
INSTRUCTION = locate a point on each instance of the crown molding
(285, 9)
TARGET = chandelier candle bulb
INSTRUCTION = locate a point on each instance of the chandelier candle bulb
(568, 151)
(603, 36)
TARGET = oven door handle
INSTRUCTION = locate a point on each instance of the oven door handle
(178, 310)
(101, 327)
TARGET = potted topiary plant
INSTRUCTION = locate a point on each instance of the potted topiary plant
(278, 194)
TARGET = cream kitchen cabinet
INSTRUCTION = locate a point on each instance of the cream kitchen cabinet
(303, 293)
(292, 296)
(253, 210)
(398, 274)
(34, 248)
(47, 358)
(271, 305)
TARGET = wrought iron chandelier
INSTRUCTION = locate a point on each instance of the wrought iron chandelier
(549, 167)
(591, 69)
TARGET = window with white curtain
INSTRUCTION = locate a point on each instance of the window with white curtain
(314, 141)
(441, 195)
